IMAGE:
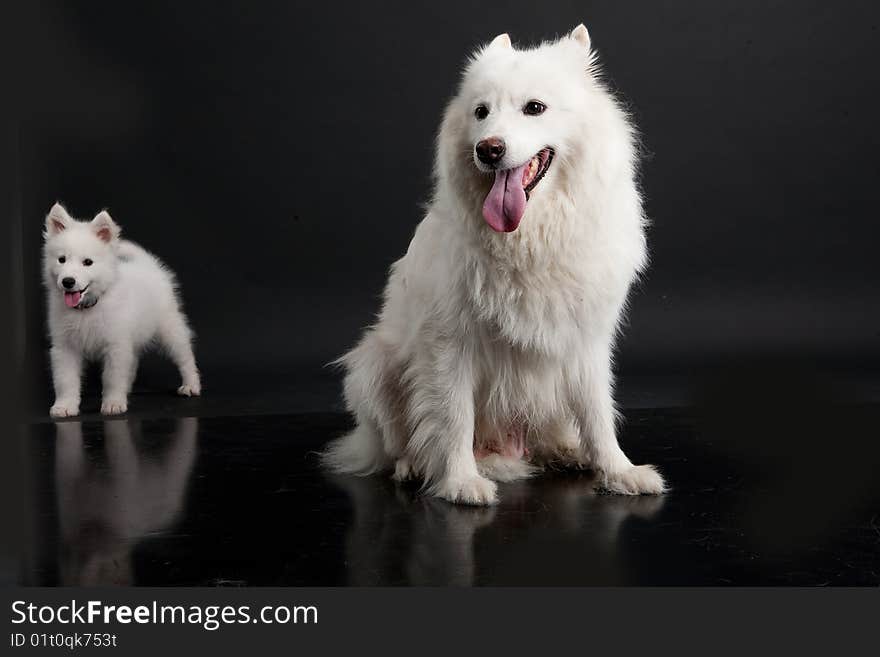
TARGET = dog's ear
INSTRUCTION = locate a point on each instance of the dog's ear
(501, 41)
(581, 35)
(57, 220)
(104, 226)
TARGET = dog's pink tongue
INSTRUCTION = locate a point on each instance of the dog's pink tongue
(506, 202)
(72, 299)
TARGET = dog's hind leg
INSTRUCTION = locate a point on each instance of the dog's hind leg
(556, 444)
(176, 337)
(372, 394)
(502, 452)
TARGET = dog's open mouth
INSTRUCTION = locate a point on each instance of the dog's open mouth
(75, 299)
(505, 204)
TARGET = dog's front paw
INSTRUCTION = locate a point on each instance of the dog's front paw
(475, 490)
(114, 406)
(403, 470)
(64, 409)
(190, 389)
(636, 480)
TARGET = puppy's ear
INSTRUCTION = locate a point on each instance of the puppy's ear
(501, 41)
(57, 220)
(104, 226)
(581, 35)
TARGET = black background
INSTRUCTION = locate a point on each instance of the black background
(277, 155)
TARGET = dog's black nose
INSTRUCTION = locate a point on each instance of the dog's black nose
(68, 282)
(491, 150)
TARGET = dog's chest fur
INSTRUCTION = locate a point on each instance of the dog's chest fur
(527, 322)
(87, 330)
(534, 307)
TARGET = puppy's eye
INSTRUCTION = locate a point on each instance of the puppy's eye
(481, 112)
(534, 107)
(62, 259)
(87, 262)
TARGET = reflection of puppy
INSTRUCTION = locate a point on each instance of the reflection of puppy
(498, 326)
(397, 537)
(105, 510)
(108, 299)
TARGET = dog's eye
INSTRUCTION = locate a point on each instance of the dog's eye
(62, 259)
(534, 107)
(481, 112)
(87, 262)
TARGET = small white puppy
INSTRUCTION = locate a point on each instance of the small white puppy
(108, 299)
(492, 356)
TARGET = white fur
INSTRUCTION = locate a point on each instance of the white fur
(136, 305)
(485, 334)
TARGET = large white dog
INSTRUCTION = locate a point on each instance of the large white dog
(492, 355)
(108, 299)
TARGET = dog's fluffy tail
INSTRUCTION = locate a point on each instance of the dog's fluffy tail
(359, 452)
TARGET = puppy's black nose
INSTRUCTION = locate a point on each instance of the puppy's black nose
(68, 282)
(491, 150)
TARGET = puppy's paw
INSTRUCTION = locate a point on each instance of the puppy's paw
(114, 406)
(475, 490)
(403, 470)
(636, 480)
(500, 468)
(564, 458)
(190, 389)
(63, 408)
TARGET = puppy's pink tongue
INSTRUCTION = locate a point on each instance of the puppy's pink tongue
(506, 202)
(72, 299)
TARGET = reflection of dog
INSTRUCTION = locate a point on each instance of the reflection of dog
(498, 326)
(397, 537)
(108, 299)
(104, 511)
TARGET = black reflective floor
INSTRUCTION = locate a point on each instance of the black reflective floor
(241, 501)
